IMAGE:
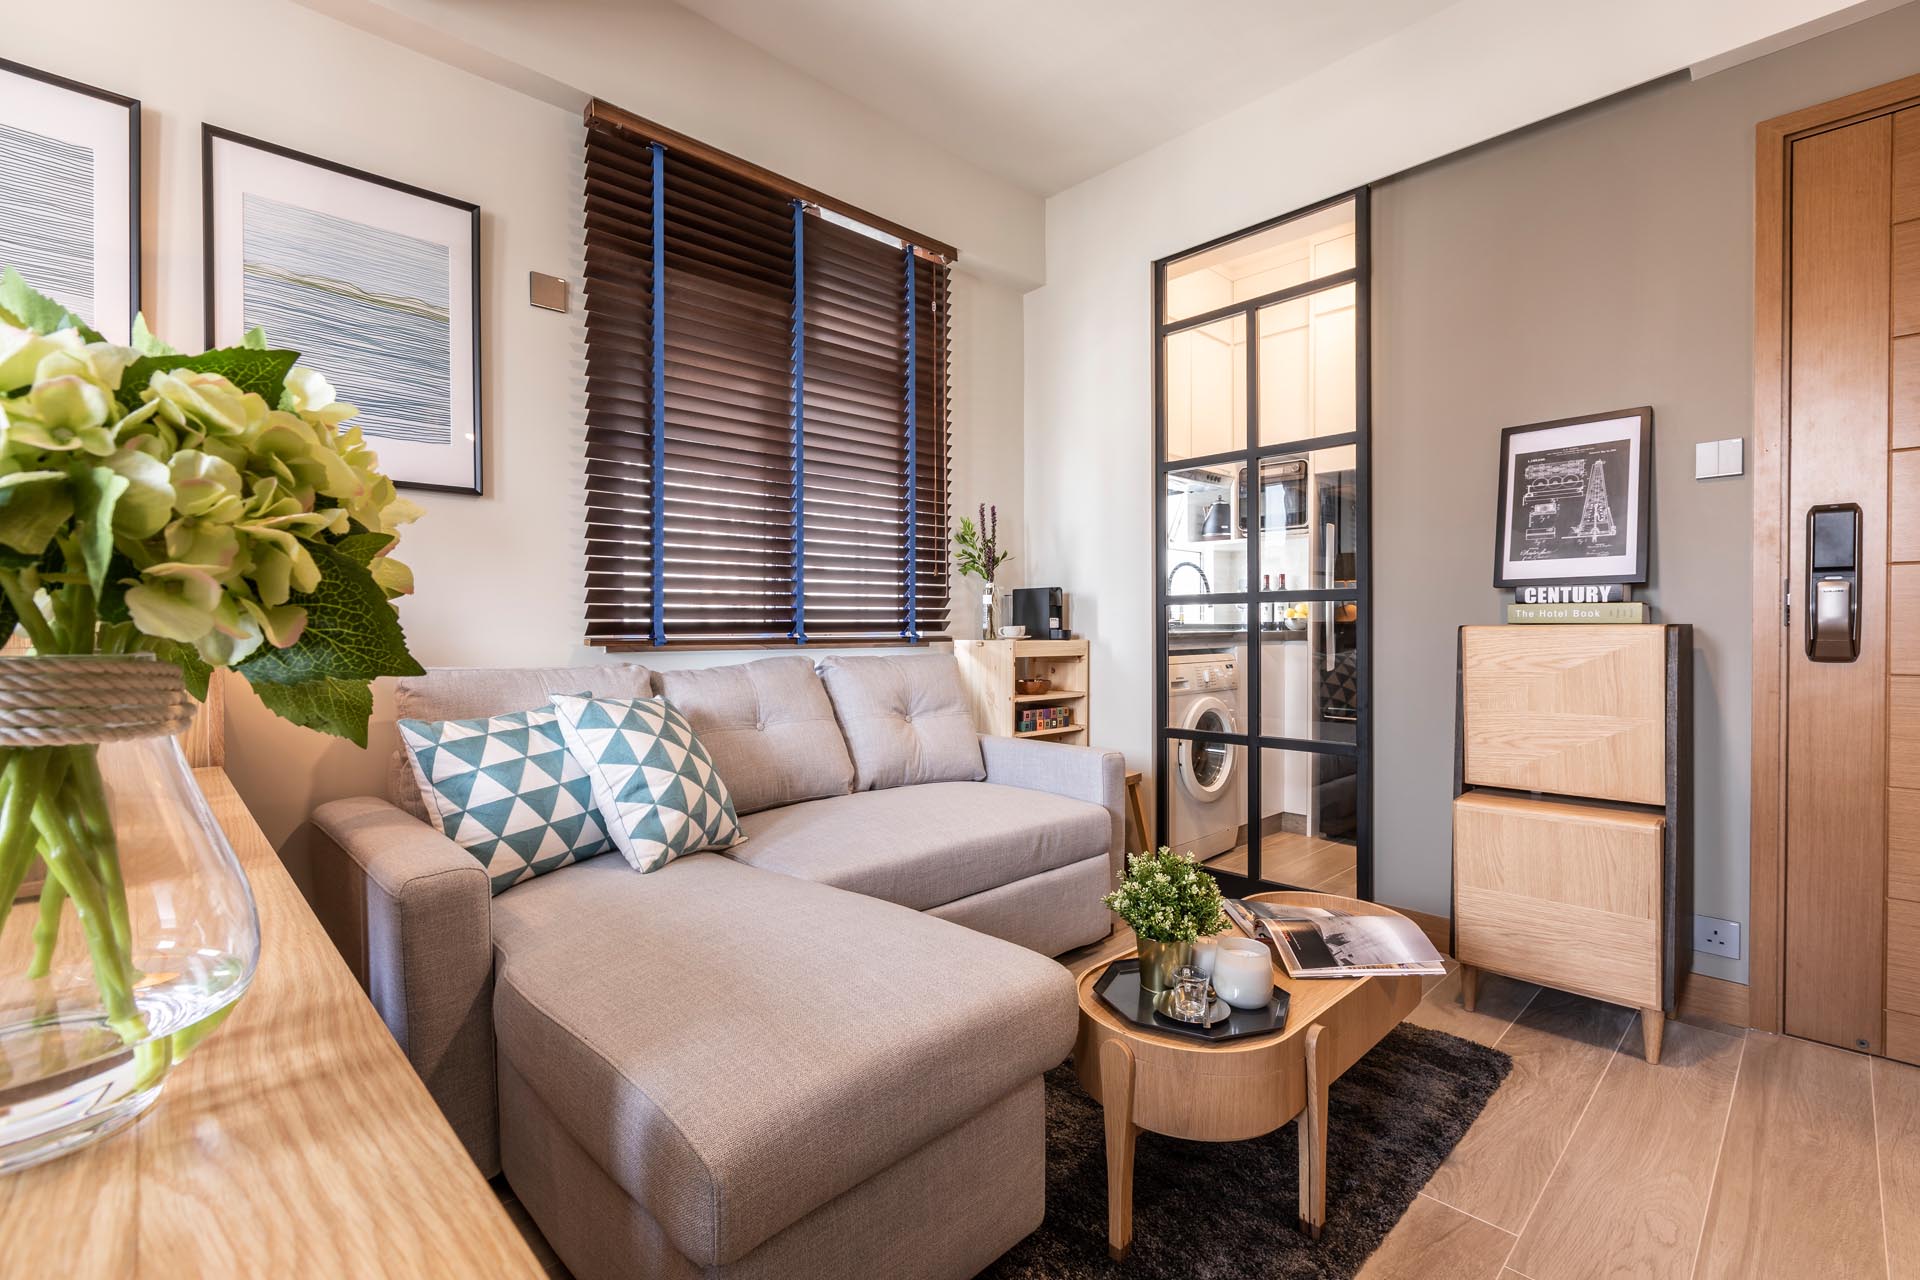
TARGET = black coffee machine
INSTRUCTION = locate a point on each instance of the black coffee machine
(1042, 611)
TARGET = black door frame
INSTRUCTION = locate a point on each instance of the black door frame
(1250, 740)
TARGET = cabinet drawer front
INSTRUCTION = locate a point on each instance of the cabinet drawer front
(1562, 894)
(1574, 710)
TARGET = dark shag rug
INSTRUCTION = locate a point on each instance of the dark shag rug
(1221, 1211)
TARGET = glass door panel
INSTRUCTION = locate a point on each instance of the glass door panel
(1290, 253)
(1308, 360)
(1309, 520)
(1309, 820)
(1253, 542)
(1204, 390)
(1310, 671)
(1206, 542)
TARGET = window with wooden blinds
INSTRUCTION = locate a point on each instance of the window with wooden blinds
(767, 420)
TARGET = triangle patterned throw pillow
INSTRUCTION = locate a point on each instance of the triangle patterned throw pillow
(650, 776)
(505, 789)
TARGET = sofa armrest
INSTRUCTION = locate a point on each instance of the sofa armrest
(412, 913)
(1079, 773)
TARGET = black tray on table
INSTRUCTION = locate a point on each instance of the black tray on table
(1120, 990)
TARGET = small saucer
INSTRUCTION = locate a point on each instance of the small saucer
(1218, 1010)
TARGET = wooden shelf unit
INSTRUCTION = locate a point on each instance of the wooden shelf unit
(990, 668)
(1573, 811)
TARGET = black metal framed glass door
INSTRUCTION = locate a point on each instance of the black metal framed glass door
(1261, 500)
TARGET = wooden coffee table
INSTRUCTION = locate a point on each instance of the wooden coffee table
(1238, 1089)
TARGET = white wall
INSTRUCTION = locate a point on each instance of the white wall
(500, 578)
(1472, 72)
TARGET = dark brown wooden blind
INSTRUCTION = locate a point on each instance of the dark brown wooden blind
(801, 422)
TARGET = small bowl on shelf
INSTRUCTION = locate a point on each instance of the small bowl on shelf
(1039, 684)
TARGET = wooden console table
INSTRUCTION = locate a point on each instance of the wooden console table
(296, 1141)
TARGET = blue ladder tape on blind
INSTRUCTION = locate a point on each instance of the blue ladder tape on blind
(912, 631)
(798, 468)
(657, 556)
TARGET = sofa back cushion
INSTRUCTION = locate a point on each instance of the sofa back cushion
(905, 720)
(466, 693)
(768, 726)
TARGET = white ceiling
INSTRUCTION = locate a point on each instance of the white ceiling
(1049, 92)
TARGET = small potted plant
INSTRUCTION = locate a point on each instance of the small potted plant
(977, 554)
(1168, 900)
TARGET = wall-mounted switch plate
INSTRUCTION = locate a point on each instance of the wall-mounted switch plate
(1715, 458)
(1717, 937)
(546, 292)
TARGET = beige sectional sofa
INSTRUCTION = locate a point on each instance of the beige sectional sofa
(785, 1060)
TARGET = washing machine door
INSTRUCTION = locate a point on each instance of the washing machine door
(1206, 768)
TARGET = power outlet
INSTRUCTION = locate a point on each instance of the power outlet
(1717, 937)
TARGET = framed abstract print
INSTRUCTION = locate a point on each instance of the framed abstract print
(360, 274)
(70, 194)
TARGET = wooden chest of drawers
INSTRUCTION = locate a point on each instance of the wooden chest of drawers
(1572, 815)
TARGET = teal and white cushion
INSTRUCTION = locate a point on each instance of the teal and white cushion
(651, 778)
(506, 790)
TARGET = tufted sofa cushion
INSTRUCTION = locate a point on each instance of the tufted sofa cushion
(905, 720)
(769, 728)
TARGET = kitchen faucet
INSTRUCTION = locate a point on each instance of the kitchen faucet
(1194, 565)
(1205, 586)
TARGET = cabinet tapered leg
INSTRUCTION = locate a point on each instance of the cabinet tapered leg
(1469, 987)
(1116, 1090)
(1313, 1133)
(1653, 1028)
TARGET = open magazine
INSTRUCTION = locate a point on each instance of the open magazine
(1315, 942)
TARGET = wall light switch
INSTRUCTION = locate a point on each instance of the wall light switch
(1715, 458)
(546, 292)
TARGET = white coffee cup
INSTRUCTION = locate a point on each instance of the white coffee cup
(1013, 633)
(1243, 973)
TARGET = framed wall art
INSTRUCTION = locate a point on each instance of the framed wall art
(1574, 498)
(70, 194)
(372, 280)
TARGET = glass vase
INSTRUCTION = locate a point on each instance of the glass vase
(128, 929)
(987, 629)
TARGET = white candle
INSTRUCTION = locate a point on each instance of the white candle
(1243, 972)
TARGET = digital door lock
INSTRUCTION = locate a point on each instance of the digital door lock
(1833, 582)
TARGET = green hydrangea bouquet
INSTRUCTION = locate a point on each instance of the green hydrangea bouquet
(212, 510)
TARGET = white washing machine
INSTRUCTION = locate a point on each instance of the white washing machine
(1206, 800)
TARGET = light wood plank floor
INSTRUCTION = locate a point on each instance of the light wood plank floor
(1740, 1155)
(1289, 858)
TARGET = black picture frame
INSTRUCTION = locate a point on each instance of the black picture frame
(132, 108)
(211, 134)
(1637, 429)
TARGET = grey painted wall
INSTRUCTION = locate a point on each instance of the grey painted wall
(1598, 261)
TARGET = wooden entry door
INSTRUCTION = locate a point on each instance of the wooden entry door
(1836, 953)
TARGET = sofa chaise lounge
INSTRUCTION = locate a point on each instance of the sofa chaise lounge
(786, 1060)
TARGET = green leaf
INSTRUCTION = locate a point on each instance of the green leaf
(33, 506)
(352, 632)
(98, 489)
(363, 545)
(193, 669)
(255, 339)
(35, 310)
(145, 343)
(339, 707)
(261, 372)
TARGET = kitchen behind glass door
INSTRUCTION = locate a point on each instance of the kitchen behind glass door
(1261, 435)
